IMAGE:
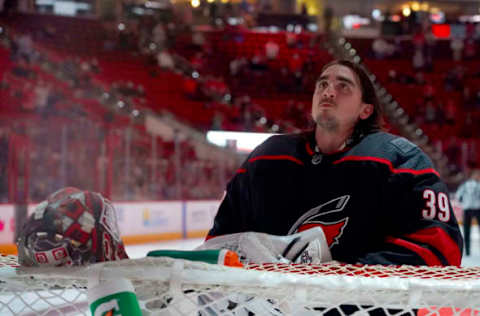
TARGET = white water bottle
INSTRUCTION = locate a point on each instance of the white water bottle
(114, 297)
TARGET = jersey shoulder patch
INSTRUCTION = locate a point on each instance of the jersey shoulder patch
(403, 145)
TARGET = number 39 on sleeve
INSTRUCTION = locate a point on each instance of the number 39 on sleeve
(436, 206)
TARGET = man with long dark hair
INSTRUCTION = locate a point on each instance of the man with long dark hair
(345, 190)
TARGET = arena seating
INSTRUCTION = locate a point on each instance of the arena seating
(271, 88)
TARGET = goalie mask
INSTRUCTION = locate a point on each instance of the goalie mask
(72, 227)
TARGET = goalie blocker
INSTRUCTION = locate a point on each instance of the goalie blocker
(306, 247)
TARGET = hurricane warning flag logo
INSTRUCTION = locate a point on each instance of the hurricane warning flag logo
(317, 217)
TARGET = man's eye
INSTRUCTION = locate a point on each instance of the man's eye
(323, 84)
(343, 86)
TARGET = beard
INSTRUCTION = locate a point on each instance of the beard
(327, 122)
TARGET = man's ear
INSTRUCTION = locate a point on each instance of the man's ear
(366, 111)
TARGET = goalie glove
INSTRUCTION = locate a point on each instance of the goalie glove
(309, 246)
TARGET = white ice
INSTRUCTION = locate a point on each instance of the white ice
(141, 250)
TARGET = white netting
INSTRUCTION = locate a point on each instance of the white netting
(166, 286)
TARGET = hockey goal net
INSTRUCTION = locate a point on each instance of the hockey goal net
(166, 286)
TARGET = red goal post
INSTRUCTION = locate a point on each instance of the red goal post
(168, 287)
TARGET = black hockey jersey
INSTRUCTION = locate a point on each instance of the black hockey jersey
(379, 201)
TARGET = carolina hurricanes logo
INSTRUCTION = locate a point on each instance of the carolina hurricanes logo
(316, 217)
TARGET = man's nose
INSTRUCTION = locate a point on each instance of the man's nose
(329, 92)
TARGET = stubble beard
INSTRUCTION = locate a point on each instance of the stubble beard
(327, 122)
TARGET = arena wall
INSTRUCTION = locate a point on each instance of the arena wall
(139, 222)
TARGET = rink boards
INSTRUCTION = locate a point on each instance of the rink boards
(139, 222)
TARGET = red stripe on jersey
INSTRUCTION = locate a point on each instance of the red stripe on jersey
(438, 238)
(209, 237)
(241, 170)
(388, 163)
(427, 256)
(309, 149)
(278, 157)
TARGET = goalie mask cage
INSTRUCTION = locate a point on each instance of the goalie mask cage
(170, 287)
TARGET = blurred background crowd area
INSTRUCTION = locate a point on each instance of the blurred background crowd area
(116, 96)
